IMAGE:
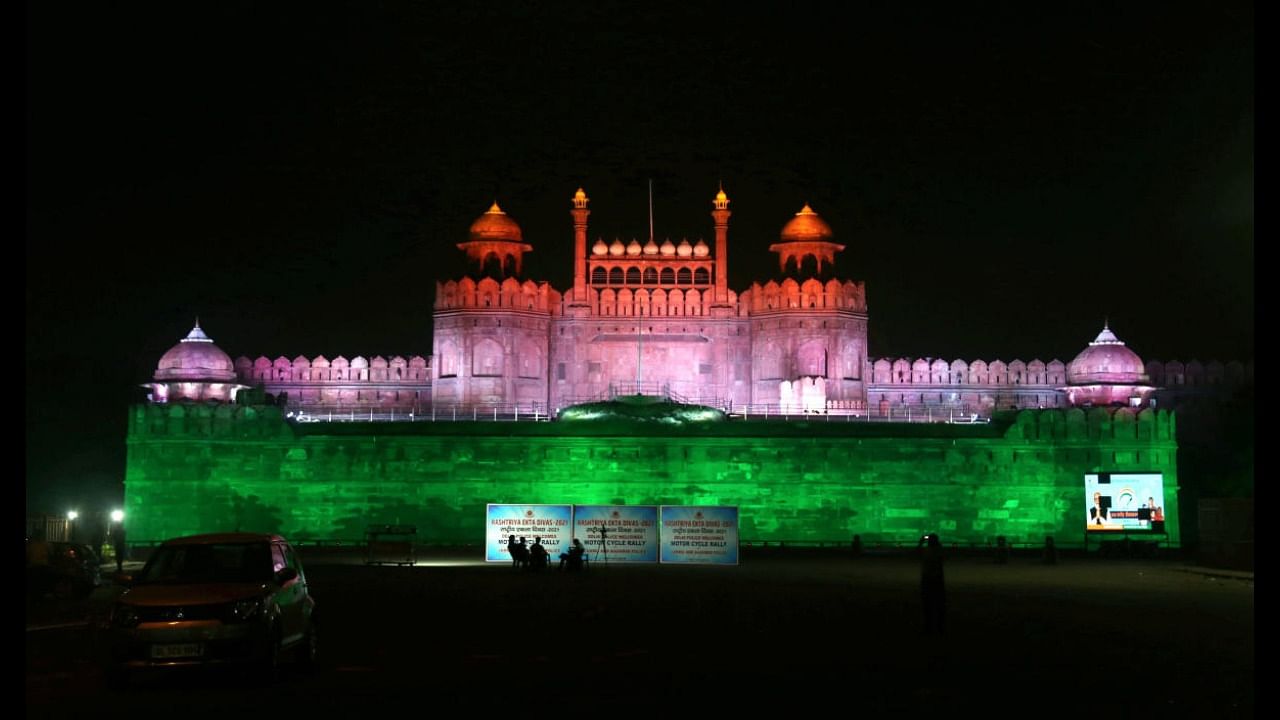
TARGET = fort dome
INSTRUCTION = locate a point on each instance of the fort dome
(195, 358)
(807, 225)
(633, 248)
(701, 249)
(1106, 360)
(496, 225)
(651, 247)
(617, 248)
(684, 249)
(599, 248)
(668, 248)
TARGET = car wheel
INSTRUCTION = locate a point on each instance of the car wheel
(269, 666)
(308, 649)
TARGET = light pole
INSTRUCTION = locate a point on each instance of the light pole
(71, 520)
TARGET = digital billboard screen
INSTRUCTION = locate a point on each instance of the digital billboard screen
(1124, 502)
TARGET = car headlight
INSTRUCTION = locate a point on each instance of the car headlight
(124, 615)
(243, 610)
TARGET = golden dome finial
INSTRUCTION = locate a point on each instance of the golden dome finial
(722, 201)
(807, 225)
(580, 199)
(495, 210)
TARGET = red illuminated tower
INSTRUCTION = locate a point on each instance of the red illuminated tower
(721, 215)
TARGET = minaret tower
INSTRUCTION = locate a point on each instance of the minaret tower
(721, 215)
(580, 213)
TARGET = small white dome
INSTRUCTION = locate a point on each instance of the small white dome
(701, 249)
(651, 248)
(633, 248)
(684, 249)
(617, 248)
(668, 248)
(599, 248)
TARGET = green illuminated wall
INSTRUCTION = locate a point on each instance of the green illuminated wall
(196, 468)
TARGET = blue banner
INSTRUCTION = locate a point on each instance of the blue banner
(699, 534)
(629, 532)
(553, 524)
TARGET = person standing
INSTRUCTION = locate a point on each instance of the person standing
(932, 585)
(119, 545)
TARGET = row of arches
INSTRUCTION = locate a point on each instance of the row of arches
(1095, 424)
(488, 359)
(957, 372)
(321, 369)
(811, 293)
(656, 303)
(809, 359)
(601, 275)
(1194, 374)
(488, 293)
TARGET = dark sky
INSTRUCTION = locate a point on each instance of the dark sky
(297, 177)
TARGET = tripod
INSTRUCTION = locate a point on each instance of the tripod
(604, 548)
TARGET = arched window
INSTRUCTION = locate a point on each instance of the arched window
(633, 276)
(486, 359)
(701, 277)
(599, 276)
(684, 277)
(448, 359)
(615, 276)
(530, 360)
(492, 265)
(650, 276)
(668, 276)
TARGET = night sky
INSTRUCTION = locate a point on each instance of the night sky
(298, 177)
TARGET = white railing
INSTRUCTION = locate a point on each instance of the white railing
(473, 412)
(907, 413)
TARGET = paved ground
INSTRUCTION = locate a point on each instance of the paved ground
(1100, 637)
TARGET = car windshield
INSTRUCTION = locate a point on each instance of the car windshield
(205, 563)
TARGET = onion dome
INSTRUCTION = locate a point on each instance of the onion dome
(633, 248)
(684, 249)
(806, 226)
(599, 248)
(1106, 360)
(651, 247)
(701, 249)
(495, 225)
(667, 247)
(617, 248)
(195, 358)
(580, 198)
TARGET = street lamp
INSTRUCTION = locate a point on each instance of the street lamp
(72, 514)
(117, 515)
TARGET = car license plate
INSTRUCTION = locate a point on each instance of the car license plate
(183, 650)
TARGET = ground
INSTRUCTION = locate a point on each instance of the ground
(1089, 635)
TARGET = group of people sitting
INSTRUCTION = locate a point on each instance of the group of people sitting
(536, 557)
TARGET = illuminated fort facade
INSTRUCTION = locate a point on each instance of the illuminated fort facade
(212, 452)
(660, 318)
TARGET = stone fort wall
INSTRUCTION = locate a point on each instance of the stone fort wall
(199, 468)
